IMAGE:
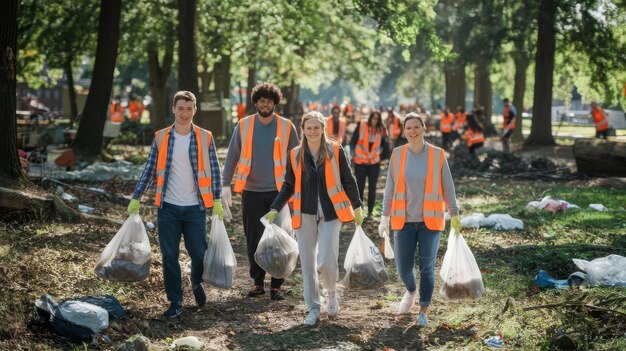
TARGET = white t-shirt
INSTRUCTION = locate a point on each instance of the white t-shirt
(181, 186)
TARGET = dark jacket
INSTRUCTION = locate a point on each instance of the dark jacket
(316, 184)
(384, 143)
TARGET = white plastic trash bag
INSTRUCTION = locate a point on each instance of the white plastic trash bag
(605, 271)
(127, 256)
(85, 314)
(459, 271)
(277, 252)
(364, 264)
(283, 220)
(219, 259)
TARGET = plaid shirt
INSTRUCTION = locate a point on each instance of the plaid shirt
(149, 172)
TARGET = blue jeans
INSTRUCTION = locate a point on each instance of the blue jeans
(416, 236)
(173, 221)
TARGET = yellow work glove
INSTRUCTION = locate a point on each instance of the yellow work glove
(455, 223)
(133, 206)
(358, 216)
(271, 215)
(218, 209)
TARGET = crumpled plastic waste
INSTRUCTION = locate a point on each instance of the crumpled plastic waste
(598, 207)
(85, 209)
(494, 341)
(497, 221)
(606, 271)
(552, 205)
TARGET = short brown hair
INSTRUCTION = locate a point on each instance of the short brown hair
(414, 115)
(184, 95)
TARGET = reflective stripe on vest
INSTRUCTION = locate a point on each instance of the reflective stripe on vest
(281, 142)
(338, 197)
(341, 133)
(445, 126)
(434, 205)
(363, 154)
(203, 143)
(600, 119)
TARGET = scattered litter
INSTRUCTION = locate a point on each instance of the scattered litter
(187, 342)
(85, 209)
(497, 221)
(544, 280)
(606, 271)
(68, 197)
(101, 171)
(149, 225)
(598, 207)
(494, 341)
(552, 205)
(97, 191)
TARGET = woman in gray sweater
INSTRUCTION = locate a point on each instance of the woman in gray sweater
(419, 187)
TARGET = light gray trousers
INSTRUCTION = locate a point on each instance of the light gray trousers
(318, 242)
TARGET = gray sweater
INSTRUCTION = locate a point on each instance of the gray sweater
(415, 177)
(261, 177)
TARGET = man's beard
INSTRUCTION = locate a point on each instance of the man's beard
(265, 114)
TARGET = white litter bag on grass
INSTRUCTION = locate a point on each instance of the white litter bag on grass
(127, 256)
(219, 259)
(606, 271)
(364, 264)
(459, 271)
(277, 252)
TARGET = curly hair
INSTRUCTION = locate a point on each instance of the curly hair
(266, 90)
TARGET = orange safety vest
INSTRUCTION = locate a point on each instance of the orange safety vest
(506, 120)
(434, 205)
(396, 128)
(341, 133)
(363, 154)
(445, 126)
(599, 118)
(338, 196)
(472, 137)
(461, 119)
(203, 140)
(281, 142)
(133, 111)
(117, 112)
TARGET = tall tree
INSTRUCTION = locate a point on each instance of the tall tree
(88, 142)
(187, 59)
(9, 160)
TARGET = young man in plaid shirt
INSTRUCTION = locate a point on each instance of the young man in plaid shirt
(183, 159)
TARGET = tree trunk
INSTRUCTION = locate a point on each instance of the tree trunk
(9, 160)
(541, 128)
(88, 142)
(455, 85)
(187, 61)
(158, 78)
(483, 92)
(250, 109)
(292, 100)
(521, 65)
(222, 77)
(598, 157)
(67, 67)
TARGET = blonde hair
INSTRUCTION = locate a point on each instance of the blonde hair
(326, 147)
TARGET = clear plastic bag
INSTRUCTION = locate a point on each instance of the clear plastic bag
(126, 258)
(283, 220)
(459, 271)
(607, 271)
(219, 259)
(277, 252)
(364, 264)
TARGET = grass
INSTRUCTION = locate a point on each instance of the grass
(40, 257)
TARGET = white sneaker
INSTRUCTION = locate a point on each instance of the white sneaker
(312, 317)
(333, 304)
(422, 320)
(408, 300)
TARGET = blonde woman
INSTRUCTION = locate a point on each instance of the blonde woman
(325, 193)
